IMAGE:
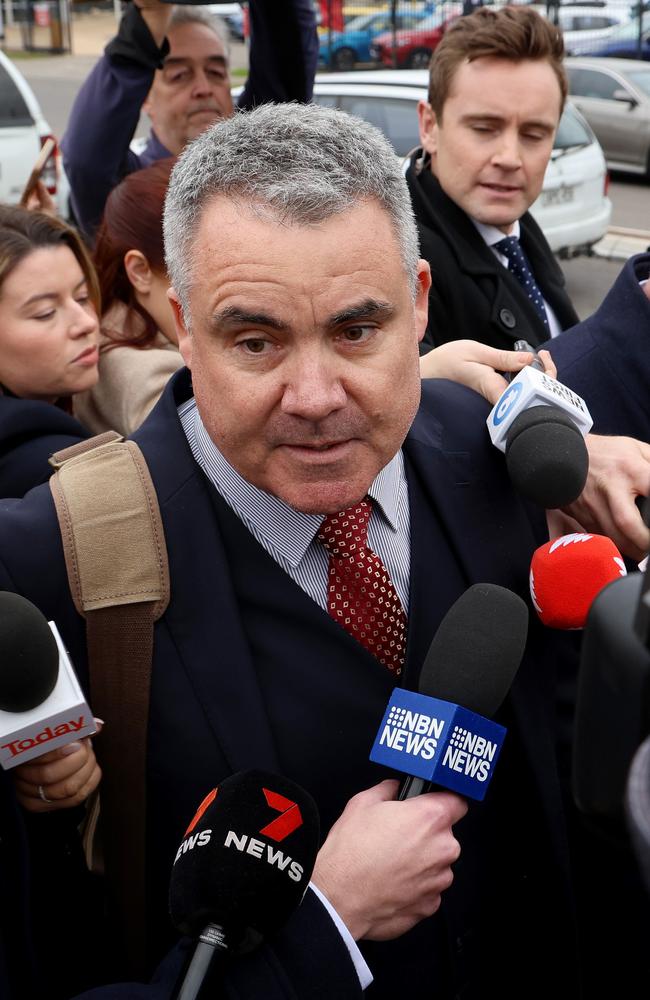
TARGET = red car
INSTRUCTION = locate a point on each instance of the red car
(413, 46)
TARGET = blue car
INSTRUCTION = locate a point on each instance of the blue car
(353, 45)
(624, 42)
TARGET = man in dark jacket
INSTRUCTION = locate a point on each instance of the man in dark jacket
(173, 64)
(498, 78)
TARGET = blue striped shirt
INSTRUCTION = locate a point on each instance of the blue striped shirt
(288, 535)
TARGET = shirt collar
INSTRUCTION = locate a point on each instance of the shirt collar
(491, 234)
(289, 532)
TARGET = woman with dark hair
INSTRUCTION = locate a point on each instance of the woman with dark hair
(138, 351)
(49, 335)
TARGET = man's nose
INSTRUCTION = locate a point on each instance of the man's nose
(508, 152)
(313, 391)
(201, 84)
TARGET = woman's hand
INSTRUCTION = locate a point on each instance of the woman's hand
(59, 779)
(477, 366)
(40, 200)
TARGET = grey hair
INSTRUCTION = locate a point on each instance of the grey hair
(303, 163)
(197, 15)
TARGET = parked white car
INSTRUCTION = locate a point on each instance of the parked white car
(573, 209)
(23, 130)
(583, 26)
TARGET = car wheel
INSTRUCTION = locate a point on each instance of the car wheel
(419, 59)
(344, 59)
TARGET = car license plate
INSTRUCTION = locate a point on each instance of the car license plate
(557, 196)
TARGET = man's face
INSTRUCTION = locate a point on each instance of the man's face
(304, 349)
(491, 148)
(192, 90)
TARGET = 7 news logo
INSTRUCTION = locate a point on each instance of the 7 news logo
(278, 829)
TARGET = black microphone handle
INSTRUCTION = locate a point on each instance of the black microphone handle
(412, 786)
(209, 944)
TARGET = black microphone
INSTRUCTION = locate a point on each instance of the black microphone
(540, 425)
(41, 703)
(242, 868)
(443, 734)
(546, 457)
(613, 702)
(30, 656)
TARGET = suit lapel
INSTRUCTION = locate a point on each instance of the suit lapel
(202, 618)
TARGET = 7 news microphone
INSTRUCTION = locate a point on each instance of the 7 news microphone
(540, 425)
(568, 573)
(242, 868)
(42, 706)
(440, 735)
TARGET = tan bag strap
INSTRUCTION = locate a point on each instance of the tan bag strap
(116, 559)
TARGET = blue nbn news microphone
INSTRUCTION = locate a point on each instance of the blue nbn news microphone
(440, 735)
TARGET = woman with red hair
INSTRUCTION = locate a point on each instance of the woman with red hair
(138, 350)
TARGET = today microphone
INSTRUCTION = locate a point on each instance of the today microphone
(242, 867)
(440, 734)
(42, 706)
(540, 425)
(568, 573)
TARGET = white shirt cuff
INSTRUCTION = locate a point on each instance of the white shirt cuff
(360, 965)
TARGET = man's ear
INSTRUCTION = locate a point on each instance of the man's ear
(185, 342)
(422, 298)
(428, 127)
(138, 271)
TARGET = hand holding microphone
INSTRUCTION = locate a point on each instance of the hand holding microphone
(386, 863)
(540, 425)
(44, 719)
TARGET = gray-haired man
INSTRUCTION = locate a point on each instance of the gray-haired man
(300, 301)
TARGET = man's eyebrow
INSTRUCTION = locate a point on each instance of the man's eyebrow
(187, 60)
(368, 309)
(497, 119)
(234, 316)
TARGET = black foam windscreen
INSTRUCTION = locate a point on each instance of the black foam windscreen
(637, 800)
(613, 704)
(246, 858)
(476, 652)
(29, 655)
(547, 457)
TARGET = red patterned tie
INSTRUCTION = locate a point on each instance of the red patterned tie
(361, 595)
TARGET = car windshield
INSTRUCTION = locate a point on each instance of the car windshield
(13, 110)
(571, 132)
(640, 79)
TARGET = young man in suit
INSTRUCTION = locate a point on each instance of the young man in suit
(496, 92)
(300, 299)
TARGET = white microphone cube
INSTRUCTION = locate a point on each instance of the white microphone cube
(534, 388)
(62, 718)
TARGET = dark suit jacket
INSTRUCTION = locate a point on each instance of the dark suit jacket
(213, 712)
(606, 358)
(472, 295)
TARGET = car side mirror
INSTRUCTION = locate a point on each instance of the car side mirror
(625, 97)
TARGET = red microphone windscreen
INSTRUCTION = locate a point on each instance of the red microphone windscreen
(566, 575)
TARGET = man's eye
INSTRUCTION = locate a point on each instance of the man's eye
(358, 334)
(254, 345)
(177, 76)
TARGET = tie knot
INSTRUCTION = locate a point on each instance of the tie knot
(345, 533)
(508, 246)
